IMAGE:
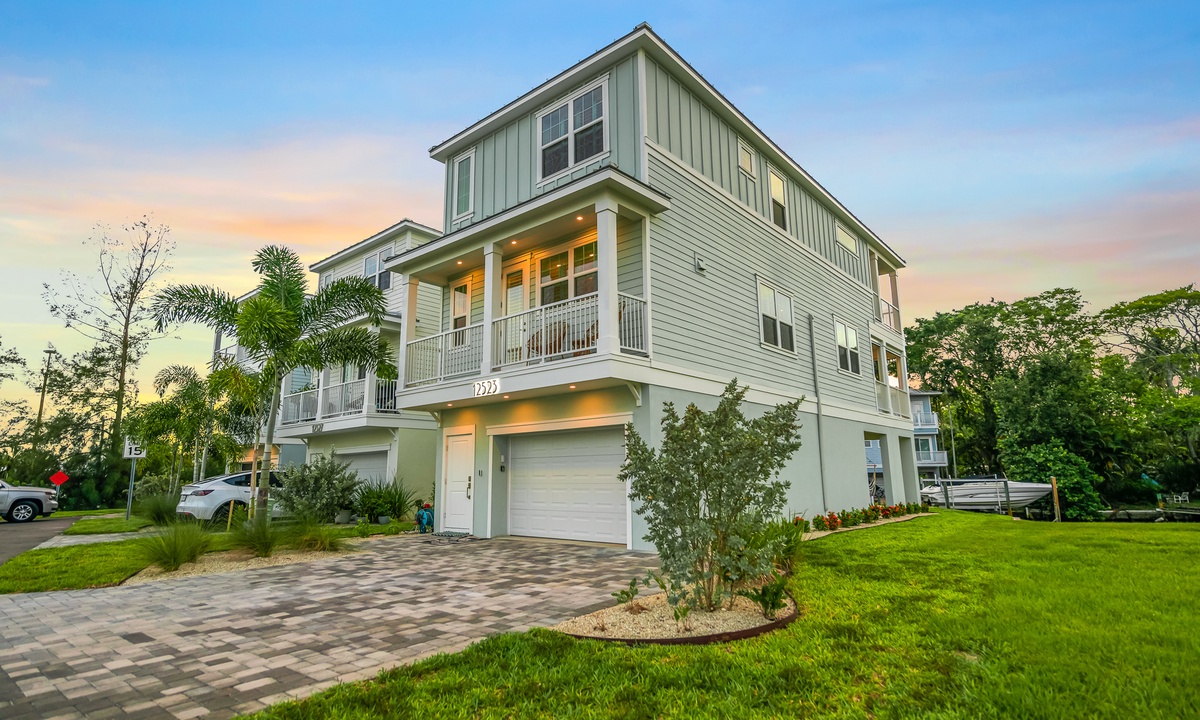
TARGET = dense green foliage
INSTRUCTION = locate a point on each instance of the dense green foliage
(307, 533)
(912, 620)
(391, 499)
(318, 489)
(259, 535)
(175, 545)
(158, 509)
(74, 567)
(1116, 388)
(711, 489)
(1076, 482)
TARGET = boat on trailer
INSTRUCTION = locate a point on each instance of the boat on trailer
(985, 494)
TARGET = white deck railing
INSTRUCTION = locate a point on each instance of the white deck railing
(881, 397)
(551, 332)
(632, 322)
(925, 419)
(454, 353)
(889, 314)
(298, 407)
(343, 399)
(931, 457)
(900, 405)
(385, 396)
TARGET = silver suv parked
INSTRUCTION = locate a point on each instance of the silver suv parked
(22, 503)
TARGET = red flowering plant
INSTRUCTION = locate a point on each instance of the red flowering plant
(818, 523)
(833, 521)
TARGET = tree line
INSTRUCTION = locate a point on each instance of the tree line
(1042, 385)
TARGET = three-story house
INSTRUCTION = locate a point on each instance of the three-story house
(619, 237)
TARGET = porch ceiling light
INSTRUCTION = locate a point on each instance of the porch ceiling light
(460, 262)
(571, 386)
(514, 242)
(505, 397)
(449, 404)
(579, 217)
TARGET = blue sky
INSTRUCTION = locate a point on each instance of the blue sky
(1001, 148)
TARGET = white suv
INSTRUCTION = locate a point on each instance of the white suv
(209, 499)
(21, 503)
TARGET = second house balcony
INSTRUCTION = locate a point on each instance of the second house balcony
(356, 397)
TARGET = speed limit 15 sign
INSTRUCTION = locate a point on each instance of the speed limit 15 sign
(133, 450)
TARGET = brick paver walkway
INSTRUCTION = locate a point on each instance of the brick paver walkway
(218, 645)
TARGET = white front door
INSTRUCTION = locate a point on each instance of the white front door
(458, 483)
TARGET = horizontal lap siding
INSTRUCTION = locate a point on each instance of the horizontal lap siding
(429, 310)
(710, 322)
(629, 257)
(506, 160)
(680, 122)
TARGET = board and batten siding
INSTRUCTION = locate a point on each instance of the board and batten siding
(710, 321)
(689, 129)
(505, 162)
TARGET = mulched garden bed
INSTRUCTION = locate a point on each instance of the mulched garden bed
(656, 624)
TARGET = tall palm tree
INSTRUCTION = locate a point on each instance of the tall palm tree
(283, 327)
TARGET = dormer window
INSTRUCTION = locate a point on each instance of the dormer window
(464, 184)
(573, 131)
(373, 269)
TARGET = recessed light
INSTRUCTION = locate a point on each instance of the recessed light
(571, 386)
(460, 262)
(505, 397)
(514, 242)
(449, 404)
(579, 217)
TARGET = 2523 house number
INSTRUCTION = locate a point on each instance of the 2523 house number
(487, 387)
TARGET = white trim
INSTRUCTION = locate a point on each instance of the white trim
(575, 423)
(448, 433)
(783, 180)
(778, 290)
(837, 356)
(646, 284)
(568, 247)
(749, 212)
(458, 213)
(839, 227)
(569, 138)
(387, 233)
(460, 282)
(358, 449)
(643, 116)
(752, 173)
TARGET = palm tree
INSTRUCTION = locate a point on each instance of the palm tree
(283, 327)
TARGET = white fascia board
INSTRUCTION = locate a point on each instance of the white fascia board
(378, 238)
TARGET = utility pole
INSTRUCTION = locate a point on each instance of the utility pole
(37, 428)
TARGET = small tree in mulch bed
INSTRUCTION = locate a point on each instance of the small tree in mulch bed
(711, 490)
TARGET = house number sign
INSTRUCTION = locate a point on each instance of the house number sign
(487, 387)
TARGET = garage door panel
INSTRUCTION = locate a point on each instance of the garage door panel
(370, 466)
(564, 485)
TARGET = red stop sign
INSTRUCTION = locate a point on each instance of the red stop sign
(59, 478)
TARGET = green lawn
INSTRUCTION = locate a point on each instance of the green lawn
(79, 513)
(957, 616)
(71, 568)
(97, 526)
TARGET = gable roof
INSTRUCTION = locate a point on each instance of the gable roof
(643, 38)
(384, 234)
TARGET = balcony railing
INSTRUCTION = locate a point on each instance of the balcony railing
(385, 396)
(298, 407)
(343, 399)
(900, 404)
(633, 321)
(552, 332)
(931, 457)
(454, 353)
(889, 314)
(925, 420)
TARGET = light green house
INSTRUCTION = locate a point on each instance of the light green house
(617, 237)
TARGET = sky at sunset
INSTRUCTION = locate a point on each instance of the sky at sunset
(1001, 148)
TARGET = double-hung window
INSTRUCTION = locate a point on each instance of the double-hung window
(464, 184)
(573, 131)
(460, 312)
(373, 269)
(775, 309)
(847, 342)
(567, 274)
(778, 200)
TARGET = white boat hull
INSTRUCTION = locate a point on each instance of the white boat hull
(985, 494)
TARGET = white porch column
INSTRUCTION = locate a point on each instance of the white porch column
(493, 260)
(609, 340)
(408, 323)
(369, 384)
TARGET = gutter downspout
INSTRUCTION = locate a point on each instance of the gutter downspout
(812, 349)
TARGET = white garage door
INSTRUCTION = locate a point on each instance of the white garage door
(564, 485)
(370, 466)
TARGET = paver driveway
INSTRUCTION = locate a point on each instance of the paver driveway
(224, 644)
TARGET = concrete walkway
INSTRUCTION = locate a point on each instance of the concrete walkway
(69, 540)
(218, 645)
(16, 538)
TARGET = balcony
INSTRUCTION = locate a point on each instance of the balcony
(892, 400)
(889, 314)
(346, 399)
(445, 356)
(931, 457)
(925, 421)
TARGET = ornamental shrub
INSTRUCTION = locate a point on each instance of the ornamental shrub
(832, 521)
(175, 545)
(819, 524)
(711, 487)
(317, 489)
(1076, 481)
(800, 522)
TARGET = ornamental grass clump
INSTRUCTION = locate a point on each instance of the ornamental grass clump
(711, 487)
(259, 535)
(311, 535)
(175, 545)
(158, 509)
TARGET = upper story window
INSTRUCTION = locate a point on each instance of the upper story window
(464, 184)
(573, 131)
(775, 309)
(373, 269)
(847, 240)
(746, 158)
(778, 200)
(567, 274)
(847, 342)
(460, 306)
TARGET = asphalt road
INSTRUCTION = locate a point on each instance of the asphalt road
(16, 538)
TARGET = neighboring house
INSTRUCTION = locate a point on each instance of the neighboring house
(622, 236)
(348, 411)
(285, 451)
(931, 461)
